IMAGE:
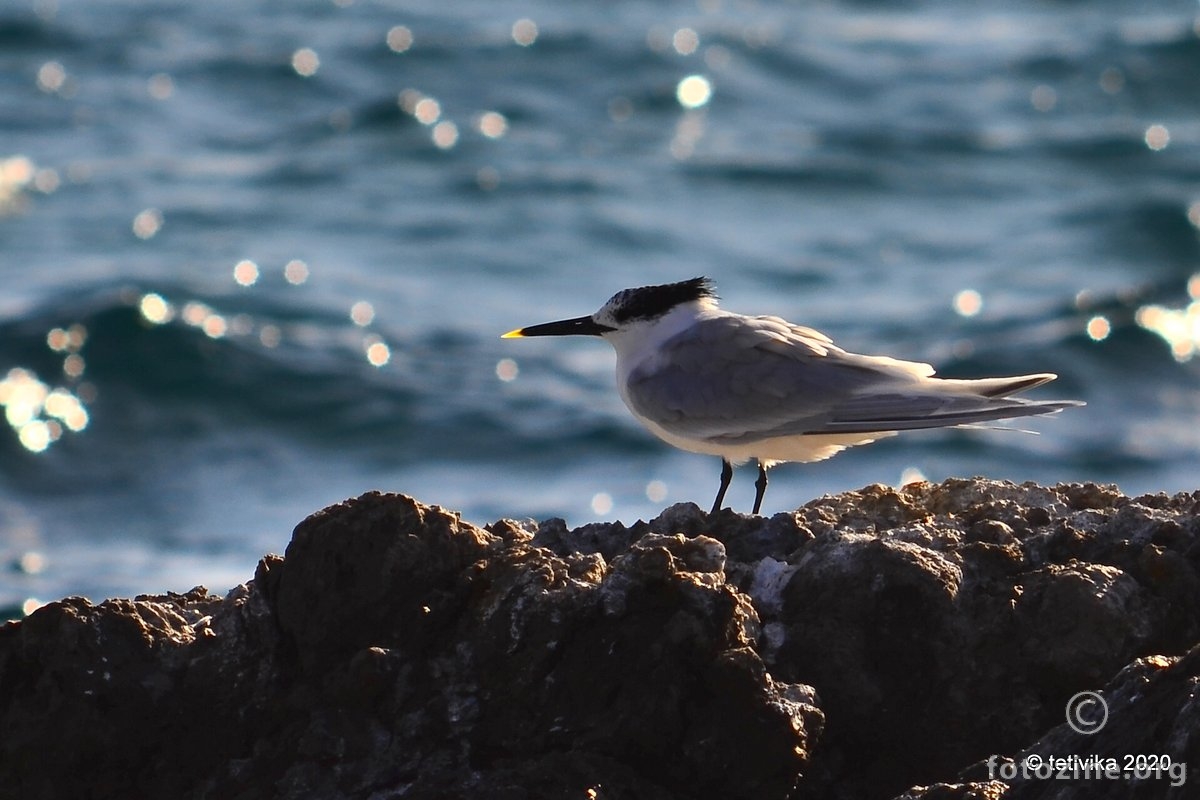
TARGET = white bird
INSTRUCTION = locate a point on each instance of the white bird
(710, 381)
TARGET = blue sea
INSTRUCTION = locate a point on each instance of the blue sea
(256, 258)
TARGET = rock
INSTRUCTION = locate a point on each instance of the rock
(1149, 739)
(915, 643)
(397, 651)
(992, 790)
(941, 624)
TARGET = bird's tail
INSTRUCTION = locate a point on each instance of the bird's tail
(939, 402)
(996, 387)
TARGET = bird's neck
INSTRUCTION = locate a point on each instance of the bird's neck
(642, 343)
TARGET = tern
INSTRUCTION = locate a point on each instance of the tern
(711, 381)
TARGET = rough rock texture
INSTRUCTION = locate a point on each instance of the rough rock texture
(915, 643)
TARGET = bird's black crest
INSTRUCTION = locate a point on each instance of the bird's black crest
(648, 302)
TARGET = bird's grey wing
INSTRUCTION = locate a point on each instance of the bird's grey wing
(732, 378)
(738, 379)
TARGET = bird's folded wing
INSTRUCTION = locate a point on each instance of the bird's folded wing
(734, 379)
(731, 377)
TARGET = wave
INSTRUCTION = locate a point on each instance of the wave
(147, 365)
(142, 363)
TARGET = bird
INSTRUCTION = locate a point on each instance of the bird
(711, 381)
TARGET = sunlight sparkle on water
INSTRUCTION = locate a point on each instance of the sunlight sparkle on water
(46, 180)
(693, 91)
(155, 309)
(378, 353)
(31, 563)
(194, 313)
(602, 503)
(295, 272)
(305, 62)
(15, 174)
(16, 171)
(214, 326)
(507, 370)
(63, 340)
(36, 435)
(1098, 328)
(399, 39)
(22, 395)
(362, 313)
(199, 315)
(685, 41)
(51, 77)
(1157, 137)
(245, 272)
(66, 407)
(968, 303)
(147, 223)
(1179, 327)
(524, 32)
(73, 366)
(70, 341)
(492, 124)
(427, 110)
(38, 413)
(445, 134)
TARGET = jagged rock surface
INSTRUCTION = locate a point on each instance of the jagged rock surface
(861, 645)
(399, 652)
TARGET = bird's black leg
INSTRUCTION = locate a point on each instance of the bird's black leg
(760, 487)
(726, 477)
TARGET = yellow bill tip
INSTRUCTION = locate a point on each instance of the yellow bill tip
(513, 334)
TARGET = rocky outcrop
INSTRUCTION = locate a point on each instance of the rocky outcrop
(917, 643)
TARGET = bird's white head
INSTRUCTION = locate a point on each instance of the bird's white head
(634, 318)
(631, 308)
